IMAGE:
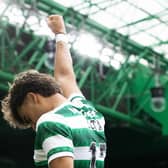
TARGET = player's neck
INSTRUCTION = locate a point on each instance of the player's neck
(56, 100)
(48, 104)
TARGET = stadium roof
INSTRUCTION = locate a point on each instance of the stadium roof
(143, 22)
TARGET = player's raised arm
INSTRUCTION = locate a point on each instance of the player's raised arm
(63, 70)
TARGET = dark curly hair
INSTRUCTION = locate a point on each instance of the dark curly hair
(24, 82)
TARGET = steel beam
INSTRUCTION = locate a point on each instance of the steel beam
(6, 76)
(128, 118)
(112, 36)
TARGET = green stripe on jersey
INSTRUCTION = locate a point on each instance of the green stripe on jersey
(58, 150)
(48, 129)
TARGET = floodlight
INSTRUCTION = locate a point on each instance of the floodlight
(158, 102)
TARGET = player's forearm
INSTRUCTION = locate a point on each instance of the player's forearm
(63, 61)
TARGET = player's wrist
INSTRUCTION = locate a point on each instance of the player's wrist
(61, 37)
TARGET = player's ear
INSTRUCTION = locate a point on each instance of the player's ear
(32, 97)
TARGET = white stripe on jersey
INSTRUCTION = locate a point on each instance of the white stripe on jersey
(84, 153)
(39, 156)
(56, 141)
(80, 153)
(71, 121)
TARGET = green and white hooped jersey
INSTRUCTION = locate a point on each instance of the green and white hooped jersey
(73, 129)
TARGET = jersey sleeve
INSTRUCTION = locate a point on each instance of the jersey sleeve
(54, 137)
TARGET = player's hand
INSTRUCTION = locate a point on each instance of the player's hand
(56, 24)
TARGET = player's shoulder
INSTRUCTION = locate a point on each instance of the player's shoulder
(49, 117)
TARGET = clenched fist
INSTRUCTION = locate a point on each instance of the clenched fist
(56, 24)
